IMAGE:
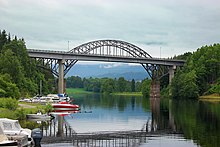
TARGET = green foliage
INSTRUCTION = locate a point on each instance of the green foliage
(74, 82)
(121, 84)
(21, 70)
(184, 85)
(145, 89)
(6, 113)
(133, 85)
(106, 85)
(48, 108)
(200, 72)
(20, 114)
(8, 103)
(215, 88)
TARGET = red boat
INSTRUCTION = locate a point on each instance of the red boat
(65, 106)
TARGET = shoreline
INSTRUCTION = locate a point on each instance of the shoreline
(212, 97)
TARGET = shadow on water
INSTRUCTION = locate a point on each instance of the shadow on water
(167, 123)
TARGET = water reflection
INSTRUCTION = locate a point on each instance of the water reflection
(199, 121)
(173, 123)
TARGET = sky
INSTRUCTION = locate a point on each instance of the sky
(163, 28)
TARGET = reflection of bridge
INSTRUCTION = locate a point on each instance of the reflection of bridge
(103, 139)
(59, 131)
(107, 51)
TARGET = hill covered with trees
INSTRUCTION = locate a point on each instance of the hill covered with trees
(200, 75)
(19, 75)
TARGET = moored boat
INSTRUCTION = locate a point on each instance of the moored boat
(65, 106)
(4, 141)
(12, 129)
(39, 117)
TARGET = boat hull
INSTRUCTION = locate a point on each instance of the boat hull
(36, 116)
(65, 107)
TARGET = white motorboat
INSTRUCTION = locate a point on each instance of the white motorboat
(39, 116)
(12, 128)
(4, 140)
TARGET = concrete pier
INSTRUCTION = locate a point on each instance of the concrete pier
(61, 76)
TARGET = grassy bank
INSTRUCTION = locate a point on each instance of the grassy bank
(212, 97)
(128, 93)
(71, 91)
(76, 91)
(11, 108)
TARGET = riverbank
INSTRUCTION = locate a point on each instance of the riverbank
(22, 109)
(128, 93)
(212, 97)
(72, 91)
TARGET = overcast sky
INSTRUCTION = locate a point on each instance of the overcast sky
(161, 27)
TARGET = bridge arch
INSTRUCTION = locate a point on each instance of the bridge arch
(104, 50)
(111, 48)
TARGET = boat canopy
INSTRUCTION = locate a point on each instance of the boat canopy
(3, 137)
(9, 124)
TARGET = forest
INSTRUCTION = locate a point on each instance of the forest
(200, 75)
(109, 85)
(19, 74)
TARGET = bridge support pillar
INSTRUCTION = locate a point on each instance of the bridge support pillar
(60, 126)
(155, 89)
(61, 76)
(171, 73)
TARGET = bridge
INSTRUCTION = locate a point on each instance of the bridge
(60, 62)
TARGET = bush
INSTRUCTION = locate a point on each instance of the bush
(8, 103)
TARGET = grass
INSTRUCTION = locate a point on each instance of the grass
(76, 91)
(212, 97)
(71, 91)
(128, 93)
(22, 110)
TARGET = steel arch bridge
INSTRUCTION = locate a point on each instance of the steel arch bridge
(107, 51)
(111, 48)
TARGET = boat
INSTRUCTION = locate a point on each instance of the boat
(12, 128)
(39, 116)
(4, 141)
(65, 106)
(63, 113)
(63, 97)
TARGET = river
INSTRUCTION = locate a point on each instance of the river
(167, 122)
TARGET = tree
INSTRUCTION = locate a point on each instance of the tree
(7, 88)
(199, 75)
(145, 87)
(3, 39)
(108, 86)
(14, 60)
(133, 85)
(121, 84)
(184, 86)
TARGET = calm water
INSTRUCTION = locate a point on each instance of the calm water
(169, 123)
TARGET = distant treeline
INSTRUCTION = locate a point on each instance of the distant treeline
(109, 85)
(200, 75)
(19, 74)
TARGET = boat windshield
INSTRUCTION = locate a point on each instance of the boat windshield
(11, 126)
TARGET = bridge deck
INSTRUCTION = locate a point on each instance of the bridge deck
(48, 54)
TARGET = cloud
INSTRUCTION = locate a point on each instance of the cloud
(112, 65)
(176, 27)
